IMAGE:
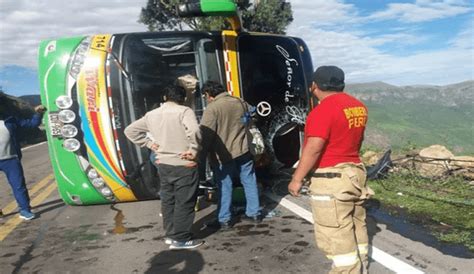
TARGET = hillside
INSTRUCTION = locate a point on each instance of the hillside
(419, 115)
(33, 100)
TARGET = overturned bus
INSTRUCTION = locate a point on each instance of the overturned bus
(94, 86)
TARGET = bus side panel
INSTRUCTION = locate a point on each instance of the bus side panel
(73, 185)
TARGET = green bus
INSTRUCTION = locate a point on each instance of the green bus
(94, 86)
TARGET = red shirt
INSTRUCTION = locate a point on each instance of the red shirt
(340, 120)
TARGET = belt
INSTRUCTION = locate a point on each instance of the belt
(328, 175)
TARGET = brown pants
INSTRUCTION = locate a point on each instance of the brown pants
(339, 218)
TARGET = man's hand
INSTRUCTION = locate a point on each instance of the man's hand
(192, 164)
(188, 155)
(294, 188)
(154, 147)
(40, 109)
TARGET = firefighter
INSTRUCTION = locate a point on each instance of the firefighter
(333, 136)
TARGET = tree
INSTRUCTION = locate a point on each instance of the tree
(269, 16)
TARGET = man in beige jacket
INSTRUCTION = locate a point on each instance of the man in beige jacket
(172, 131)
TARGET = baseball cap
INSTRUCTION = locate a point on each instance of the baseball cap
(329, 78)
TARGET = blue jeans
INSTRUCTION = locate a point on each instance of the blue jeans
(244, 167)
(14, 171)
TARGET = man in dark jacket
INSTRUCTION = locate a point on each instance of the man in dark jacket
(10, 155)
(224, 137)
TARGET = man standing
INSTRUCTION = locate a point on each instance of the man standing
(174, 132)
(224, 136)
(333, 136)
(10, 155)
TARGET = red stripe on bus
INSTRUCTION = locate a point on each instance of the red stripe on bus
(100, 141)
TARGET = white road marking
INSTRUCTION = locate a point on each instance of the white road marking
(39, 144)
(387, 260)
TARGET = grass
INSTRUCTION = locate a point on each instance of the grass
(424, 125)
(445, 207)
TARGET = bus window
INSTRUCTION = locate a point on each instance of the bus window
(209, 69)
(153, 64)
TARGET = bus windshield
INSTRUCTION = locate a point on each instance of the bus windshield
(151, 62)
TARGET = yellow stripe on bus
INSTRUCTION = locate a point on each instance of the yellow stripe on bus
(11, 224)
(13, 205)
(229, 38)
(122, 193)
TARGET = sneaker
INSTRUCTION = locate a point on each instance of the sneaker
(254, 219)
(186, 245)
(27, 215)
(219, 225)
(168, 240)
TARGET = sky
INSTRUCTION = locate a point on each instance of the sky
(417, 42)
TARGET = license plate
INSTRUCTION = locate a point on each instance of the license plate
(54, 124)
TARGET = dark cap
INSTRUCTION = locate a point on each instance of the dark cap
(329, 78)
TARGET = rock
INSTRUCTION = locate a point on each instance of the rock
(469, 176)
(370, 158)
(463, 162)
(436, 151)
(435, 161)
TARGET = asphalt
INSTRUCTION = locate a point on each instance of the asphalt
(128, 238)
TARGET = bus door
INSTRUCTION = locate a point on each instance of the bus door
(273, 80)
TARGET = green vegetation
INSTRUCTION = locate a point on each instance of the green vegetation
(445, 207)
(423, 125)
(271, 16)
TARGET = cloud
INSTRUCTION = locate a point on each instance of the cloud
(365, 56)
(422, 11)
(335, 31)
(322, 12)
(465, 39)
(25, 23)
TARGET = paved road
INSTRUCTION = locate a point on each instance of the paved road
(128, 238)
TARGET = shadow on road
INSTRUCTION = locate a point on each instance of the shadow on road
(58, 203)
(49, 206)
(53, 202)
(174, 261)
(199, 228)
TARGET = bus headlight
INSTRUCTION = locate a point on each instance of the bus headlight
(106, 192)
(92, 174)
(98, 182)
(71, 145)
(64, 102)
(69, 131)
(66, 116)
